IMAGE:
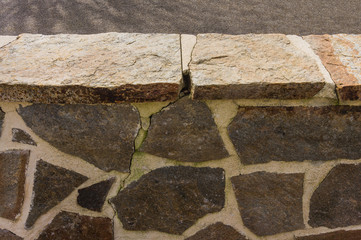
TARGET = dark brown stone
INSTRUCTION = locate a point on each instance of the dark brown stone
(52, 184)
(21, 136)
(170, 199)
(337, 201)
(264, 134)
(7, 235)
(72, 226)
(13, 164)
(102, 135)
(338, 235)
(2, 116)
(184, 131)
(270, 203)
(217, 231)
(93, 197)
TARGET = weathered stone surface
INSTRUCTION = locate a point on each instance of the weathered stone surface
(108, 67)
(252, 66)
(7, 235)
(170, 199)
(264, 134)
(100, 134)
(337, 201)
(217, 231)
(338, 235)
(73, 226)
(341, 55)
(13, 164)
(93, 197)
(21, 136)
(184, 131)
(270, 203)
(52, 184)
(2, 116)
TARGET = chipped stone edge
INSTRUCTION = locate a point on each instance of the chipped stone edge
(5, 40)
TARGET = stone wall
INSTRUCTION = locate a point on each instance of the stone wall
(155, 136)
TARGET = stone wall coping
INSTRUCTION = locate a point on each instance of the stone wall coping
(133, 67)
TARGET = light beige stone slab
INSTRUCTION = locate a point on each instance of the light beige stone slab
(187, 42)
(110, 67)
(6, 40)
(252, 67)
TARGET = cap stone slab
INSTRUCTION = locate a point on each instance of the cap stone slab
(341, 55)
(252, 66)
(101, 68)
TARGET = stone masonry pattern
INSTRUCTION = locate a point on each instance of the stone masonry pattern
(265, 152)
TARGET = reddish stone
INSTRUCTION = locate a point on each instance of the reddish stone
(338, 235)
(13, 164)
(217, 231)
(71, 226)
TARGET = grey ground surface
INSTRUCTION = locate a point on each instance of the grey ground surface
(300, 17)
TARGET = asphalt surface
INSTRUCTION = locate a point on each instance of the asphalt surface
(301, 17)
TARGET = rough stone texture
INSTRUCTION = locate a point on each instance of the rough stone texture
(270, 203)
(300, 17)
(341, 55)
(184, 131)
(337, 201)
(264, 134)
(2, 116)
(109, 67)
(7, 235)
(93, 197)
(13, 164)
(4, 40)
(338, 235)
(170, 199)
(102, 135)
(21, 136)
(52, 184)
(217, 231)
(252, 66)
(72, 226)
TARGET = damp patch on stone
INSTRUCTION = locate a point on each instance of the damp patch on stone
(7, 235)
(52, 184)
(264, 134)
(217, 231)
(170, 199)
(94, 196)
(13, 165)
(338, 235)
(21, 136)
(270, 203)
(68, 225)
(184, 131)
(337, 200)
(102, 135)
(2, 116)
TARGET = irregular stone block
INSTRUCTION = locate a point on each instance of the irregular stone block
(264, 134)
(170, 199)
(217, 231)
(100, 134)
(101, 68)
(341, 55)
(270, 203)
(13, 165)
(2, 116)
(52, 184)
(68, 225)
(184, 131)
(93, 197)
(7, 235)
(338, 235)
(21, 136)
(252, 66)
(337, 200)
